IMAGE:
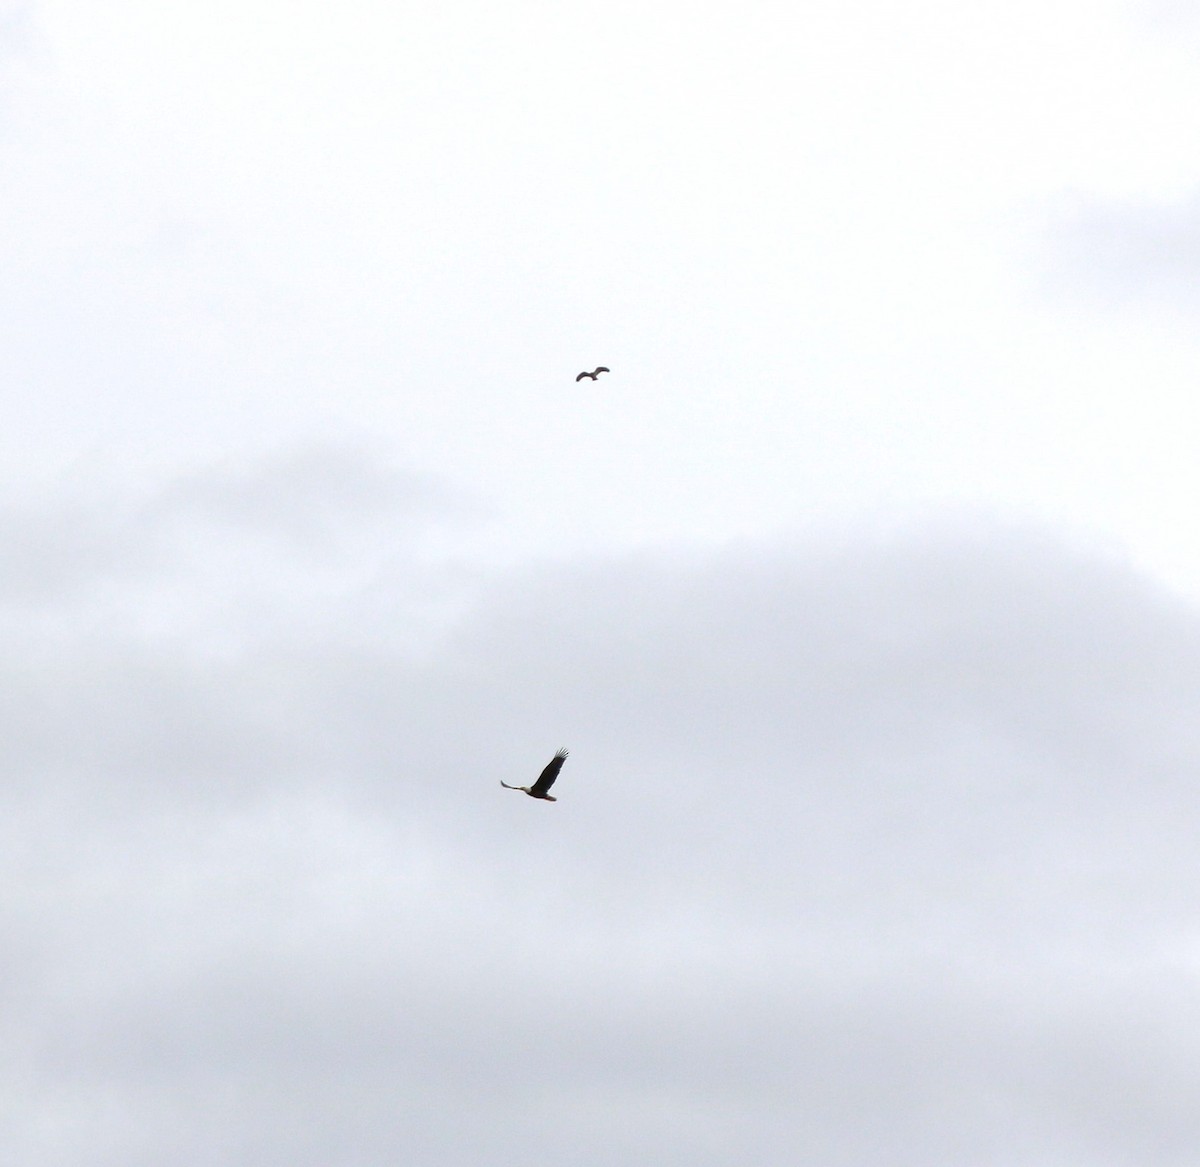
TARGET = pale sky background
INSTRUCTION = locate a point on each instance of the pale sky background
(864, 590)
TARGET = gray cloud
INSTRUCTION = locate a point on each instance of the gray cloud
(217, 556)
(879, 852)
(1131, 252)
(311, 504)
(16, 28)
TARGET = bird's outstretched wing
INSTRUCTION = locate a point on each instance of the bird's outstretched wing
(602, 369)
(547, 776)
(582, 375)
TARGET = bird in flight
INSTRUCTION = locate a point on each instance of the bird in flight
(545, 780)
(594, 374)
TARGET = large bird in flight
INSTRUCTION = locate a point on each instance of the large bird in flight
(541, 788)
(593, 374)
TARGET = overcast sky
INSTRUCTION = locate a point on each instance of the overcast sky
(863, 590)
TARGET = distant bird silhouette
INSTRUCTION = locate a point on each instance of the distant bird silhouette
(598, 370)
(545, 779)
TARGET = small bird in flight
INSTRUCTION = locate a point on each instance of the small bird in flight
(594, 374)
(545, 780)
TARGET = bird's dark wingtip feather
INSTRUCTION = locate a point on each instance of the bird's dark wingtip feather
(548, 775)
